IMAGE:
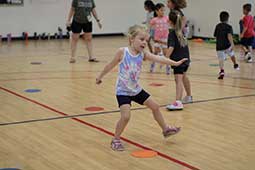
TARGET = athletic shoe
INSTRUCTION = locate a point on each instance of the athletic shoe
(248, 57)
(177, 105)
(236, 67)
(171, 131)
(187, 99)
(221, 74)
(249, 60)
(117, 145)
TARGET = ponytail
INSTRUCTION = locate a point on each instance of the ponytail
(176, 19)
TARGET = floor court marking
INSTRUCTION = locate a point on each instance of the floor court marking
(96, 71)
(98, 113)
(61, 71)
(112, 111)
(143, 78)
(169, 158)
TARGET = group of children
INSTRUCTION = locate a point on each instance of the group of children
(168, 34)
(158, 25)
(224, 38)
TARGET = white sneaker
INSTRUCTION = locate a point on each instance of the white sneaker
(247, 56)
(177, 105)
(187, 99)
(249, 60)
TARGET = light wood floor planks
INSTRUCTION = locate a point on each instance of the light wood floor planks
(52, 130)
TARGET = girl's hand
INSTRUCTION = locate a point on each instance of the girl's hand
(68, 26)
(68, 23)
(98, 81)
(161, 42)
(181, 61)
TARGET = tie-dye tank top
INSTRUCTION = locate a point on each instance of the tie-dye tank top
(129, 71)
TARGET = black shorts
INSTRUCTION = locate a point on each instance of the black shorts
(139, 98)
(247, 42)
(78, 27)
(180, 69)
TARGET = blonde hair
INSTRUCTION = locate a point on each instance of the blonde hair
(134, 30)
(176, 19)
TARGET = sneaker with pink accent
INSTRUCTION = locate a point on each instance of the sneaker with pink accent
(171, 131)
(177, 105)
(117, 145)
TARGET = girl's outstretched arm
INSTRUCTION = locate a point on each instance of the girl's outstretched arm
(162, 59)
(111, 65)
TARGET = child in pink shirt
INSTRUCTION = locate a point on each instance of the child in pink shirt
(160, 24)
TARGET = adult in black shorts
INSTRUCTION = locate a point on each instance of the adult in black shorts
(80, 12)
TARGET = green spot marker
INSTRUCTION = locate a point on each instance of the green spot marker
(214, 65)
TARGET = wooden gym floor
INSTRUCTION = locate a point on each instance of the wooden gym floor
(52, 130)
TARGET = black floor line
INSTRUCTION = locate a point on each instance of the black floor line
(114, 111)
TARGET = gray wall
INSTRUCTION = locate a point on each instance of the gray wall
(205, 14)
(46, 15)
(117, 15)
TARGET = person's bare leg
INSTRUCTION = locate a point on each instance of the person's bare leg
(123, 121)
(156, 112)
(168, 67)
(153, 64)
(186, 84)
(74, 40)
(149, 45)
(89, 45)
(233, 59)
(166, 129)
(179, 86)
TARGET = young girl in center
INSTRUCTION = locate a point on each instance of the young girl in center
(177, 50)
(160, 24)
(130, 59)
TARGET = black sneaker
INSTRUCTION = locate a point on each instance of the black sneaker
(221, 74)
(236, 67)
(249, 60)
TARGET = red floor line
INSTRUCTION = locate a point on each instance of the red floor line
(103, 130)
